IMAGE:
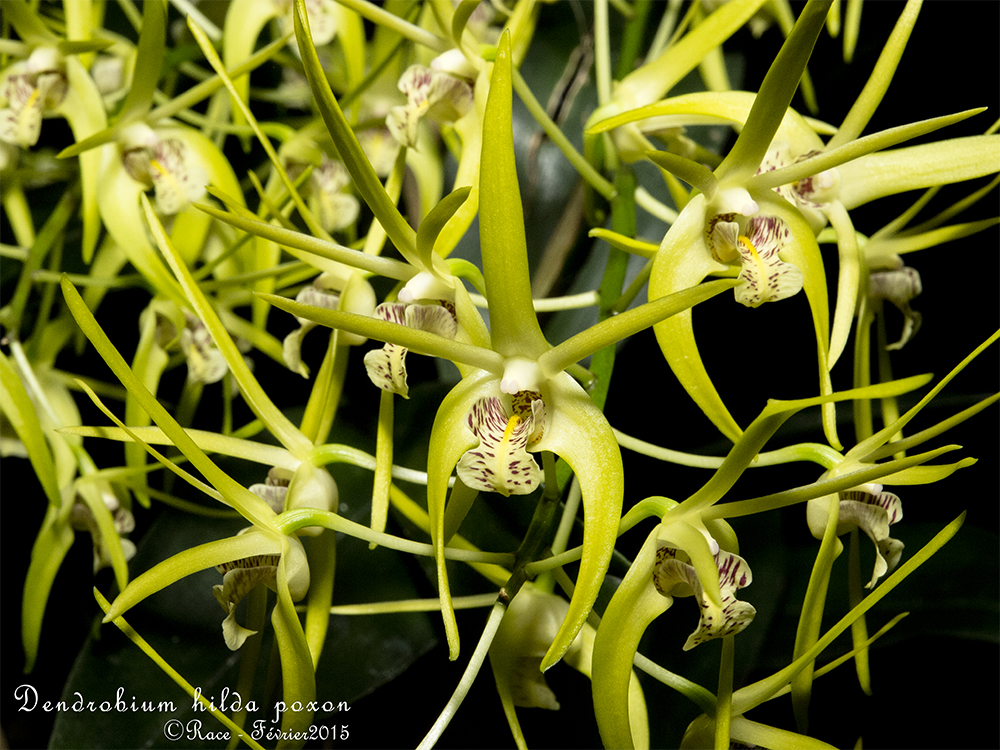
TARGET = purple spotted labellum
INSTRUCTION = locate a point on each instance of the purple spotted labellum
(500, 463)
(765, 277)
(868, 508)
(673, 576)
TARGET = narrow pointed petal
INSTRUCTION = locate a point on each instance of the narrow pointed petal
(634, 605)
(889, 172)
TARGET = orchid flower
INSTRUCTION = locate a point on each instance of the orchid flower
(698, 527)
(824, 183)
(726, 225)
(682, 556)
(336, 209)
(430, 92)
(36, 404)
(528, 627)
(310, 485)
(483, 425)
(31, 88)
(861, 504)
(45, 83)
(241, 575)
(733, 726)
(836, 185)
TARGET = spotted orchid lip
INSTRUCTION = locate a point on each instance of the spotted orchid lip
(766, 278)
(500, 463)
(671, 574)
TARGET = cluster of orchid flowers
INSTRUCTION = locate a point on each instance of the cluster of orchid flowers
(383, 95)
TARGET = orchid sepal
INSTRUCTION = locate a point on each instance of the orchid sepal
(633, 607)
(514, 327)
(676, 267)
(298, 675)
(597, 463)
(774, 96)
(877, 175)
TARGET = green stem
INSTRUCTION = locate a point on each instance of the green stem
(586, 170)
(724, 702)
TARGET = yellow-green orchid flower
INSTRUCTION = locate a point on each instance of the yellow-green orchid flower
(50, 82)
(825, 182)
(31, 89)
(725, 224)
(37, 404)
(82, 519)
(699, 522)
(431, 92)
(863, 505)
(519, 374)
(682, 556)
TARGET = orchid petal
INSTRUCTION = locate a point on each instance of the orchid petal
(774, 96)
(803, 252)
(500, 463)
(450, 438)
(634, 605)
